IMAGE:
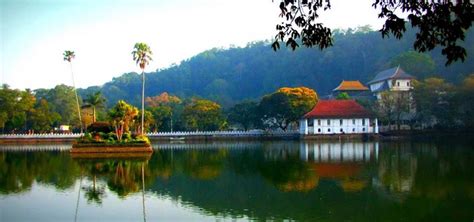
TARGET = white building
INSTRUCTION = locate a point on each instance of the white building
(394, 79)
(338, 117)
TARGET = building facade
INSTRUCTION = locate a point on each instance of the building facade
(338, 117)
(394, 79)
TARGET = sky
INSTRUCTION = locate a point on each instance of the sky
(35, 33)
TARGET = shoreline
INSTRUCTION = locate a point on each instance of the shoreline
(386, 136)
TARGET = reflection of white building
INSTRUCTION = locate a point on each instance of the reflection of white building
(394, 79)
(339, 152)
(338, 117)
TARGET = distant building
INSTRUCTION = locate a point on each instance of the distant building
(352, 88)
(338, 117)
(394, 79)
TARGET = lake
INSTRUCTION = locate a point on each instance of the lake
(224, 181)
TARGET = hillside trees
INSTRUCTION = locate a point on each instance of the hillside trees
(419, 64)
(61, 99)
(438, 23)
(255, 70)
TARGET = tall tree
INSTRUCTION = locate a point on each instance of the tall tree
(203, 114)
(96, 100)
(287, 105)
(434, 102)
(245, 114)
(142, 56)
(69, 56)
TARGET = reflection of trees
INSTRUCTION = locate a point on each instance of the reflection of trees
(204, 165)
(123, 177)
(18, 170)
(397, 169)
(198, 164)
(289, 175)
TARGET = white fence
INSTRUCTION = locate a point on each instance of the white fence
(251, 133)
(41, 136)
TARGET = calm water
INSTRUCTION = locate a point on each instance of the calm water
(243, 181)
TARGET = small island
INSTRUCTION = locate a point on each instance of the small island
(122, 117)
(114, 136)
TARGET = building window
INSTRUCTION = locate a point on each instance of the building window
(319, 130)
(340, 122)
(329, 130)
(408, 83)
(319, 122)
(310, 122)
(363, 122)
(329, 122)
(363, 129)
(341, 130)
(398, 83)
(353, 129)
(353, 121)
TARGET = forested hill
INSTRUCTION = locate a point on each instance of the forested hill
(231, 75)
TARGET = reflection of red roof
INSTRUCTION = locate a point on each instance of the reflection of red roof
(336, 170)
(338, 109)
(351, 86)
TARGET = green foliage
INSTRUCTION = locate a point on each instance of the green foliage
(142, 54)
(15, 106)
(286, 105)
(343, 96)
(203, 115)
(97, 101)
(245, 114)
(43, 118)
(121, 117)
(434, 101)
(68, 55)
(62, 100)
(162, 117)
(420, 64)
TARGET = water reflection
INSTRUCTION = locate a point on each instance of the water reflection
(262, 181)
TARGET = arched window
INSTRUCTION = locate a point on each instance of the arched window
(329, 129)
(319, 130)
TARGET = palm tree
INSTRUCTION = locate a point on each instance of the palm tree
(142, 56)
(68, 56)
(96, 100)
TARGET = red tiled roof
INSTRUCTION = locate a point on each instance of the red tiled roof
(338, 109)
(350, 85)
